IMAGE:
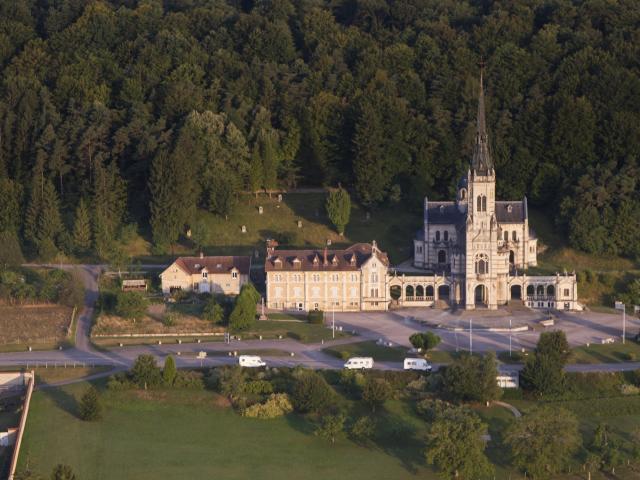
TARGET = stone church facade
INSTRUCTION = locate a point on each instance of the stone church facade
(478, 247)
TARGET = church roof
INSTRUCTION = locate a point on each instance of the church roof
(351, 258)
(481, 162)
(510, 212)
(443, 213)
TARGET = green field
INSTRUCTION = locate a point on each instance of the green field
(393, 228)
(611, 353)
(187, 434)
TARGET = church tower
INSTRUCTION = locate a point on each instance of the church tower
(481, 227)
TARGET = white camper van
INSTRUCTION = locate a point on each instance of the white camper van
(250, 361)
(417, 364)
(357, 363)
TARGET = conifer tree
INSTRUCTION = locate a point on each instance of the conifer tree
(90, 406)
(82, 228)
(256, 171)
(169, 371)
(165, 213)
(109, 204)
(338, 207)
(10, 192)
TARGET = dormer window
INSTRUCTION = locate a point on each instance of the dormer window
(441, 209)
(234, 274)
(219, 266)
(509, 208)
(205, 274)
(296, 262)
(334, 261)
(353, 260)
(277, 262)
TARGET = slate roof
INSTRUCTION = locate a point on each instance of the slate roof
(349, 259)
(515, 214)
(215, 264)
(443, 213)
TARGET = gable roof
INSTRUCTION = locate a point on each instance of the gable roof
(214, 264)
(349, 259)
(443, 213)
(515, 214)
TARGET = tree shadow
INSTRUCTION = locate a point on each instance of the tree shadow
(63, 400)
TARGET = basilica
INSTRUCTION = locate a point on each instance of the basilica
(480, 247)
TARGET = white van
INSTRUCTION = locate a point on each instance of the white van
(417, 364)
(250, 361)
(356, 363)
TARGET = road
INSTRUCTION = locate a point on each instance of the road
(392, 326)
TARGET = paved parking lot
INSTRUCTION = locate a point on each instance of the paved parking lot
(396, 326)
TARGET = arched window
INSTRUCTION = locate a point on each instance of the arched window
(531, 290)
(437, 235)
(506, 236)
(540, 290)
(442, 256)
(484, 203)
(409, 291)
(463, 194)
(482, 264)
(429, 291)
(479, 203)
(419, 291)
(446, 235)
(514, 236)
(551, 291)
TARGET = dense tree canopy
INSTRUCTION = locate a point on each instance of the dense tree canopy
(146, 110)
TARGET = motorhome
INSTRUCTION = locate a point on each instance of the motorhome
(417, 364)
(357, 363)
(251, 361)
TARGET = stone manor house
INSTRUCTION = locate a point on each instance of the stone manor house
(472, 252)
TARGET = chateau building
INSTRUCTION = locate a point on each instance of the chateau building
(352, 279)
(477, 247)
(224, 275)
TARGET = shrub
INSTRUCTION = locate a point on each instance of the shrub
(169, 319)
(213, 311)
(276, 405)
(316, 317)
(628, 389)
(119, 382)
(145, 372)
(189, 379)
(311, 392)
(344, 355)
(62, 472)
(425, 340)
(430, 409)
(132, 305)
(352, 381)
(257, 387)
(90, 408)
(243, 315)
(362, 429)
(629, 357)
(331, 428)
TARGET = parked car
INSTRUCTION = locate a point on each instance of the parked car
(357, 363)
(251, 361)
(417, 364)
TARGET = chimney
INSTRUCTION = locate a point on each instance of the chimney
(324, 259)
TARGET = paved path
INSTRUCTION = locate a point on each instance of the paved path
(508, 406)
(393, 326)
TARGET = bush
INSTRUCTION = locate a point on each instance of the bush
(316, 317)
(472, 378)
(170, 319)
(189, 379)
(62, 472)
(362, 429)
(629, 357)
(213, 311)
(90, 408)
(432, 408)
(311, 392)
(331, 428)
(276, 405)
(132, 305)
(424, 341)
(119, 382)
(243, 315)
(257, 387)
(145, 372)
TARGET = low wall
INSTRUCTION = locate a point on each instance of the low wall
(29, 379)
(158, 335)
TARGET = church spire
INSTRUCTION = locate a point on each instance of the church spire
(481, 163)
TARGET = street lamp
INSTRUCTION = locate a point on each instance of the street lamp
(622, 306)
(510, 338)
(471, 336)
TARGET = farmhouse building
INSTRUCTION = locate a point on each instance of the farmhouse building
(352, 279)
(221, 274)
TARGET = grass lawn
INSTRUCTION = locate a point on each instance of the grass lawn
(610, 353)
(392, 227)
(188, 434)
(301, 331)
(368, 349)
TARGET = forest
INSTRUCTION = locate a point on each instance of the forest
(132, 114)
